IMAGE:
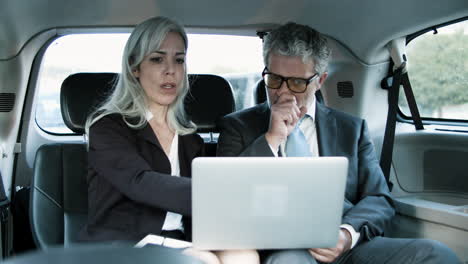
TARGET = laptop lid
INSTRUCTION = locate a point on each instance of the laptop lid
(267, 203)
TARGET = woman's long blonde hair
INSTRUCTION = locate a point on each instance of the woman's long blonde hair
(128, 97)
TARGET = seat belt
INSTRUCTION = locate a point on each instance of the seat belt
(392, 84)
(4, 213)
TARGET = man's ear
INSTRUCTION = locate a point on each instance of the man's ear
(322, 79)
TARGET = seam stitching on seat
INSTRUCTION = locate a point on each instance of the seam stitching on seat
(48, 197)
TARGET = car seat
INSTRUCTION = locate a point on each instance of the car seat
(58, 203)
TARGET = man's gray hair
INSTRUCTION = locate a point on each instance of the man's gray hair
(293, 39)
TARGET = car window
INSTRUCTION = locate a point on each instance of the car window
(237, 58)
(438, 72)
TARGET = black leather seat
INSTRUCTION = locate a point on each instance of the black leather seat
(210, 98)
(58, 208)
(260, 93)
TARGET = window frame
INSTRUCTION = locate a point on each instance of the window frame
(401, 117)
(37, 66)
(62, 32)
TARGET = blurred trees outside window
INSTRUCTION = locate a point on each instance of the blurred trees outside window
(438, 72)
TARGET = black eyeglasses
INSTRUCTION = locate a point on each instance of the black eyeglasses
(296, 85)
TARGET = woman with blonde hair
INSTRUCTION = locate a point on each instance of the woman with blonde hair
(141, 145)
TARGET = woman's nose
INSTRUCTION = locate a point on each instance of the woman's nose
(170, 67)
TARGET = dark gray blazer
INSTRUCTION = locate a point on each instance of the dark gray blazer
(130, 188)
(368, 206)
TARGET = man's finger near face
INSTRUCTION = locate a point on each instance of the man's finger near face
(286, 109)
(289, 115)
(285, 98)
(290, 121)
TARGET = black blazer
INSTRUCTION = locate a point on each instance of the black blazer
(368, 206)
(130, 188)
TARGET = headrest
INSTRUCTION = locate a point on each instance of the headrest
(209, 99)
(80, 94)
(260, 93)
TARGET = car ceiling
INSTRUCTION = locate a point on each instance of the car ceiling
(363, 26)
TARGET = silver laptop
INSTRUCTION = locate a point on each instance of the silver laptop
(267, 203)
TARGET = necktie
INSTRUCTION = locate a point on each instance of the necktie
(296, 143)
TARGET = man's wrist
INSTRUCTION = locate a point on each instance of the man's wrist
(352, 232)
(273, 141)
(348, 239)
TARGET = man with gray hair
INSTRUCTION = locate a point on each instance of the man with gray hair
(296, 59)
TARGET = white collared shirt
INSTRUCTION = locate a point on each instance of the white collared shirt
(308, 128)
(173, 221)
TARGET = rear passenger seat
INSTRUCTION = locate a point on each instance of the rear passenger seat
(58, 206)
(210, 98)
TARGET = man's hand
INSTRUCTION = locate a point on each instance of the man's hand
(284, 116)
(328, 255)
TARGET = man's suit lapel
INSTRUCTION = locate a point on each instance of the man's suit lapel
(326, 131)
